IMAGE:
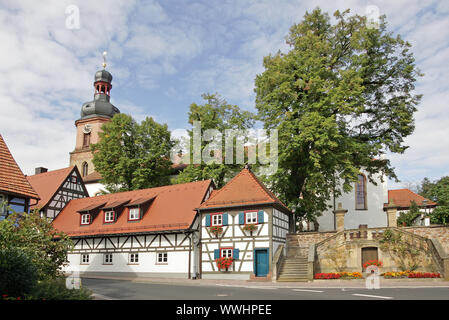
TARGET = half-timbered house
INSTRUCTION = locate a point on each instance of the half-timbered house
(246, 222)
(141, 233)
(56, 188)
(16, 193)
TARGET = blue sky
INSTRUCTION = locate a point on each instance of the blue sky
(165, 54)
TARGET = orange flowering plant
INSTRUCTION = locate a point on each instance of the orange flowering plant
(224, 263)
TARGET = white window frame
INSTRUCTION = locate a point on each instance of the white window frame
(133, 258)
(83, 220)
(107, 217)
(217, 219)
(162, 257)
(227, 253)
(251, 217)
(85, 258)
(132, 212)
(107, 258)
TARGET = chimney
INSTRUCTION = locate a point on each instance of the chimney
(40, 170)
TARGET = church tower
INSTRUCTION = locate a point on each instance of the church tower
(88, 126)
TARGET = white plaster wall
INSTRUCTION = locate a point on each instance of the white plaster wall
(374, 216)
(94, 188)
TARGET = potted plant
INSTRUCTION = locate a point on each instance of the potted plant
(250, 228)
(216, 230)
(224, 263)
(376, 263)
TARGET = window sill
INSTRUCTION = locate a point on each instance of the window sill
(162, 263)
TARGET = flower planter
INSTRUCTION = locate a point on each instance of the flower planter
(223, 264)
(216, 230)
(250, 228)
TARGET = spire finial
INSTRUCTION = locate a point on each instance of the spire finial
(104, 59)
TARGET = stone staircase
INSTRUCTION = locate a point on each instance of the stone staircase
(294, 267)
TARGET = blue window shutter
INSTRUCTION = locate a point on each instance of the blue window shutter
(216, 253)
(235, 254)
(241, 218)
(207, 220)
(225, 219)
(260, 216)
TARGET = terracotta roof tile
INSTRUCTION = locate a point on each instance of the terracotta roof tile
(12, 179)
(404, 197)
(244, 189)
(92, 177)
(46, 184)
(173, 208)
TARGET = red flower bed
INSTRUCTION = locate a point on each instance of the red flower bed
(423, 275)
(327, 276)
(372, 263)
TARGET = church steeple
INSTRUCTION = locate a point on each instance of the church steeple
(100, 106)
(93, 115)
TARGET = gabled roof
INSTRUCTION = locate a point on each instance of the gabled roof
(92, 177)
(243, 190)
(404, 197)
(171, 208)
(46, 184)
(12, 179)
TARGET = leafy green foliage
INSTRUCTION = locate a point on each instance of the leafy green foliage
(18, 273)
(437, 191)
(55, 289)
(215, 114)
(405, 254)
(407, 218)
(131, 156)
(34, 236)
(340, 98)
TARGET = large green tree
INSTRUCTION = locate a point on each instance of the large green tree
(218, 115)
(341, 98)
(132, 156)
(437, 191)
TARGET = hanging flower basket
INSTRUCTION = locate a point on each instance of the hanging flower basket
(224, 263)
(250, 228)
(216, 230)
(377, 263)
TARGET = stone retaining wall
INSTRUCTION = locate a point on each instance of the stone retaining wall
(441, 233)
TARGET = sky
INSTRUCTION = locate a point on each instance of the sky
(164, 54)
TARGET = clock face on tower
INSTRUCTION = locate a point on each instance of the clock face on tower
(87, 128)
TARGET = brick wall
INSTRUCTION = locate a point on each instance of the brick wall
(304, 239)
(441, 233)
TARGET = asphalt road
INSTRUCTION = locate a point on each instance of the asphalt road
(127, 290)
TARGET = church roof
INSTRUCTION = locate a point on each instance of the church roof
(245, 189)
(165, 208)
(47, 184)
(404, 197)
(12, 179)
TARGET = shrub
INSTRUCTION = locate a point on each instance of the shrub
(327, 276)
(18, 274)
(55, 289)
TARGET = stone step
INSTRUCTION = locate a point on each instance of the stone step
(292, 279)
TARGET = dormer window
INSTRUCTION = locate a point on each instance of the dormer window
(134, 214)
(85, 218)
(109, 216)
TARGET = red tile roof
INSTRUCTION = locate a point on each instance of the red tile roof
(404, 197)
(92, 177)
(173, 208)
(46, 184)
(243, 190)
(12, 179)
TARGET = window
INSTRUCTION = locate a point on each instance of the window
(226, 253)
(3, 204)
(85, 169)
(73, 179)
(85, 218)
(360, 193)
(109, 216)
(86, 140)
(108, 258)
(162, 257)
(217, 219)
(134, 258)
(84, 259)
(251, 217)
(134, 213)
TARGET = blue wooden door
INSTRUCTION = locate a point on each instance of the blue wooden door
(261, 262)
